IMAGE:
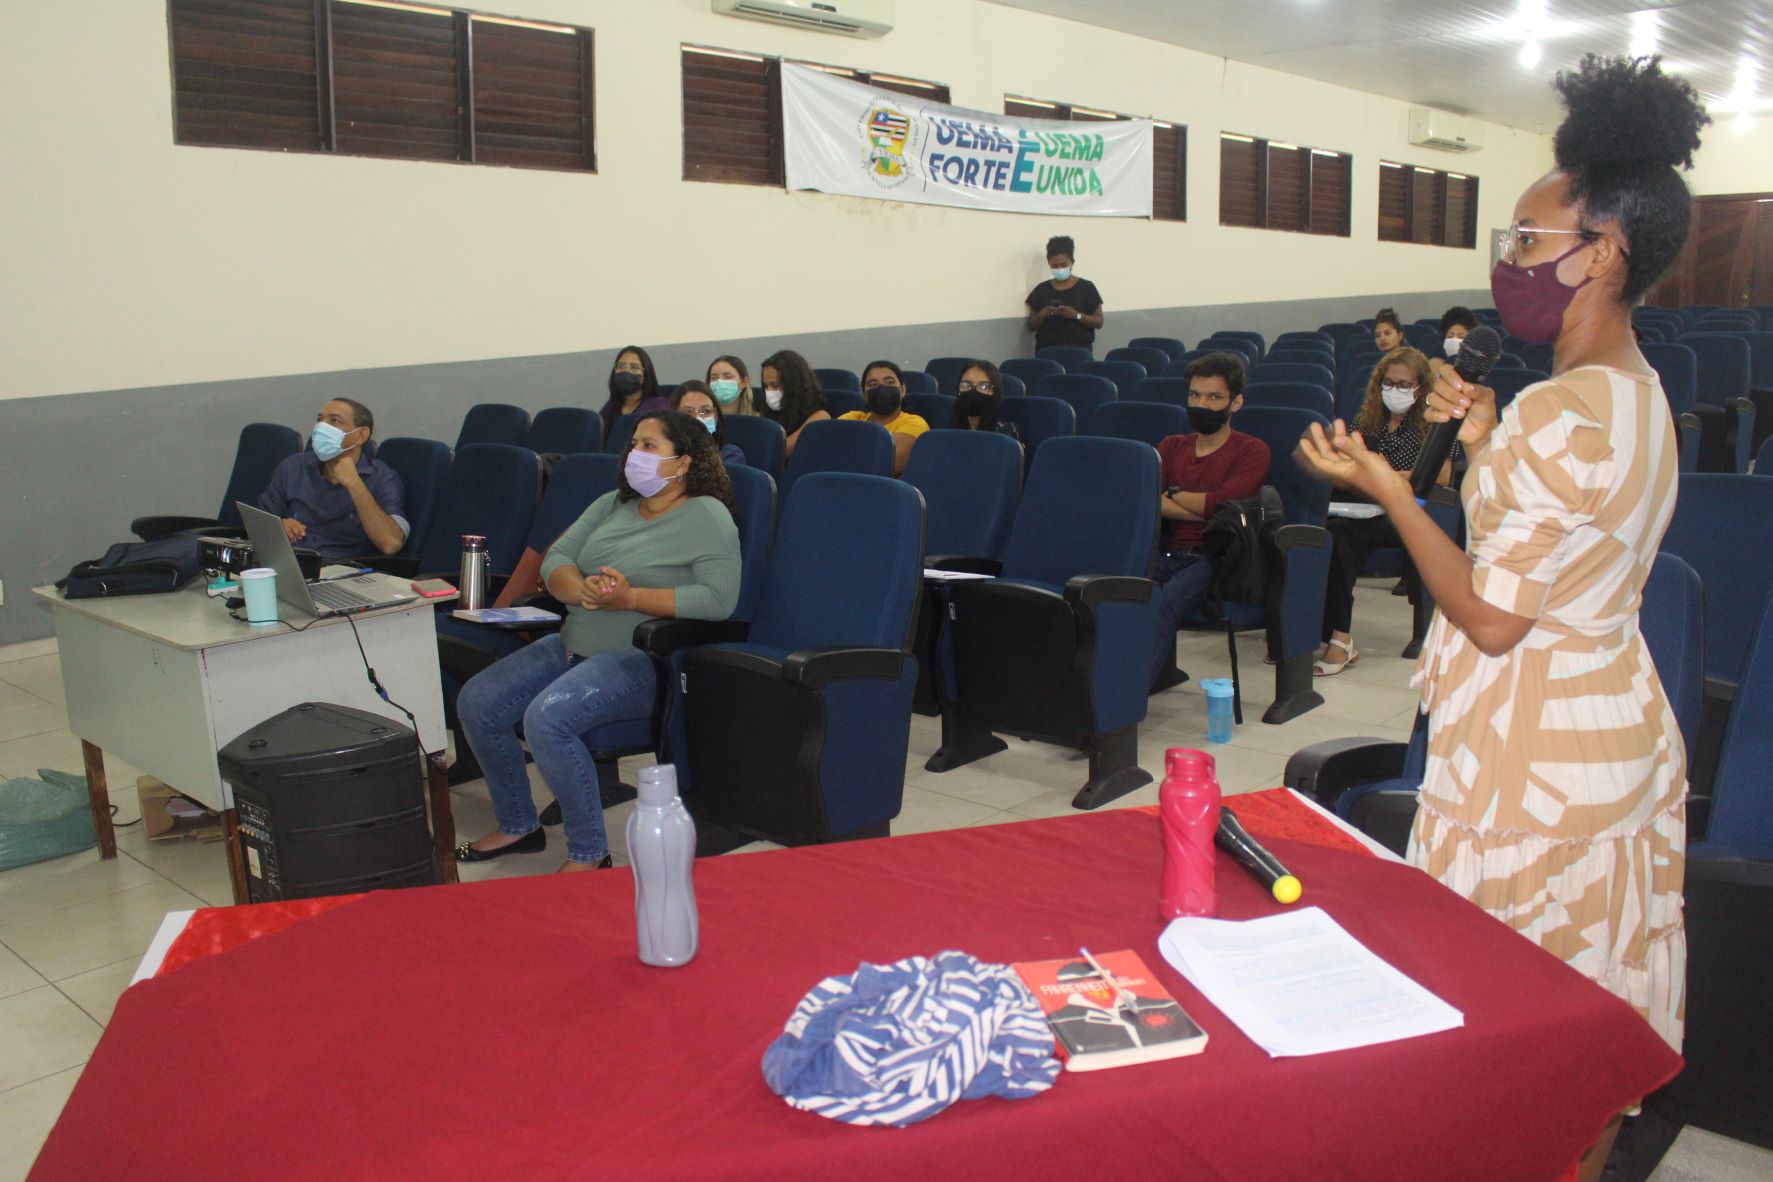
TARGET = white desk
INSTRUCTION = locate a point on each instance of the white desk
(165, 681)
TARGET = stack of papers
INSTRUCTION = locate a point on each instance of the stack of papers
(1298, 984)
(952, 576)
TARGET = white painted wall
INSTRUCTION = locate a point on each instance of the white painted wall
(1734, 162)
(133, 262)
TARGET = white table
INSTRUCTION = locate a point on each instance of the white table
(165, 681)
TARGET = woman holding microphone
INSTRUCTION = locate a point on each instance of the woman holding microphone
(1556, 777)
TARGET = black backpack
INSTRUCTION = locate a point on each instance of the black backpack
(1239, 538)
(135, 568)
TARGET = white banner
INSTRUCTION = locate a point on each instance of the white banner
(850, 138)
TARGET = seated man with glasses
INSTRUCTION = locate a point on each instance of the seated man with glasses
(883, 385)
(697, 400)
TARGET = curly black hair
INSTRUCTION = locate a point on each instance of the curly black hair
(1629, 127)
(1061, 244)
(801, 396)
(706, 476)
(1388, 316)
(1229, 366)
(1458, 315)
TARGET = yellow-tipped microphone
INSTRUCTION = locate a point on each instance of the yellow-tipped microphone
(1235, 840)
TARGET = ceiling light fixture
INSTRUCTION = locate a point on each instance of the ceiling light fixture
(1531, 54)
(1646, 29)
(1742, 123)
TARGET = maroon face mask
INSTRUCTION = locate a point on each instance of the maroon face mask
(1531, 300)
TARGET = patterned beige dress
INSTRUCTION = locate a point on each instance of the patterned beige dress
(1556, 782)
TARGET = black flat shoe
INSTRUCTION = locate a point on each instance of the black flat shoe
(551, 814)
(533, 842)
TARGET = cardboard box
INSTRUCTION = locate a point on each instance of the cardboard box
(158, 824)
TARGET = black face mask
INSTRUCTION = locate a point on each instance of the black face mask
(884, 400)
(974, 404)
(624, 383)
(1207, 421)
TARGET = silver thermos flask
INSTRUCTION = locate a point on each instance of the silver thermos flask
(476, 572)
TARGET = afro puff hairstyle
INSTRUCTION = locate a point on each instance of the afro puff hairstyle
(1629, 127)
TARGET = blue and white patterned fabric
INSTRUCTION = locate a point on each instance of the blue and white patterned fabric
(894, 1044)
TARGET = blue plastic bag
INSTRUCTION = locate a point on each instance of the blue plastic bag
(44, 818)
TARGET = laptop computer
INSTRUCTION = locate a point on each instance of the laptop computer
(330, 597)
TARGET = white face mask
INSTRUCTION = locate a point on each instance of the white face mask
(1061, 274)
(1451, 345)
(1398, 399)
(772, 398)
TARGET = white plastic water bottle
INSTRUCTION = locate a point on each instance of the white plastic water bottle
(662, 849)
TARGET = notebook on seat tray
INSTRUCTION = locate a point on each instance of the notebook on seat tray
(330, 597)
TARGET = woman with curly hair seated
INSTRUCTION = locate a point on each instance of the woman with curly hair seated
(662, 544)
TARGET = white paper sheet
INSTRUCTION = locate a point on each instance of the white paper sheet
(1298, 984)
(1360, 510)
(952, 576)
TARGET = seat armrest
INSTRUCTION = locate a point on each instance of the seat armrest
(1323, 771)
(150, 528)
(1092, 591)
(967, 563)
(1706, 866)
(1745, 434)
(816, 668)
(1288, 536)
(1691, 429)
(663, 636)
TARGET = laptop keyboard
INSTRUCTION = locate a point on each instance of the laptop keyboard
(332, 597)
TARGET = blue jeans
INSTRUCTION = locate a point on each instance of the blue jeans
(557, 697)
(1182, 582)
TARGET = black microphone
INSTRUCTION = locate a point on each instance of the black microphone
(1235, 840)
(1476, 358)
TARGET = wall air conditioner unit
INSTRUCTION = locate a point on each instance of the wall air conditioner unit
(1449, 133)
(851, 18)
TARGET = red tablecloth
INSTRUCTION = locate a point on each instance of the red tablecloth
(506, 1029)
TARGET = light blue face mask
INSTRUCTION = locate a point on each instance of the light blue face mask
(1061, 274)
(713, 425)
(328, 441)
(726, 390)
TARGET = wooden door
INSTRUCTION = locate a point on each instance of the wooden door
(1728, 258)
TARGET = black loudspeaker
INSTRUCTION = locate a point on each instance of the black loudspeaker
(331, 801)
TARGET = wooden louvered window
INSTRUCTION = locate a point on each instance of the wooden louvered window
(1286, 186)
(1276, 186)
(732, 113)
(1169, 150)
(1330, 178)
(1427, 206)
(381, 78)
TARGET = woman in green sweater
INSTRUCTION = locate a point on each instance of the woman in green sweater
(662, 544)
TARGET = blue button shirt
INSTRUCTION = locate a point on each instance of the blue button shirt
(300, 489)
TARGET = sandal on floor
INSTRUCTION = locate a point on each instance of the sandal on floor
(530, 843)
(1323, 668)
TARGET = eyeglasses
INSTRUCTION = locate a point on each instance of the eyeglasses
(631, 367)
(979, 387)
(1398, 388)
(889, 383)
(1519, 238)
(700, 412)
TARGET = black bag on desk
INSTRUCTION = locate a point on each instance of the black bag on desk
(135, 568)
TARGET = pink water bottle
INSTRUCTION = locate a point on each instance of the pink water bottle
(1189, 804)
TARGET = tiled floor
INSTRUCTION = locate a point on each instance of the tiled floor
(72, 930)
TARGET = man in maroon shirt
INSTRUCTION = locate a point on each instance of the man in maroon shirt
(1214, 464)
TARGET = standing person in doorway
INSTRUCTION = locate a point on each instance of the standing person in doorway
(1064, 310)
